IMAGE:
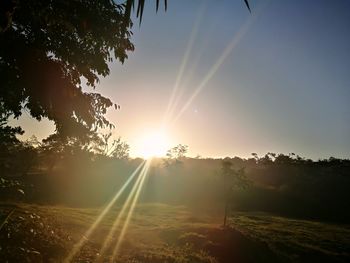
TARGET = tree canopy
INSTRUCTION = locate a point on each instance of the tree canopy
(47, 48)
(50, 48)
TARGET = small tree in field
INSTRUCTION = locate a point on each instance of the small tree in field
(232, 179)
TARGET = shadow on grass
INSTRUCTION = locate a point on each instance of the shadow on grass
(224, 244)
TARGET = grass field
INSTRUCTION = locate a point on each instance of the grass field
(165, 233)
(296, 239)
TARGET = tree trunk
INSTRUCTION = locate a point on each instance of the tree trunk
(226, 209)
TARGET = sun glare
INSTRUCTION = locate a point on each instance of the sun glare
(153, 145)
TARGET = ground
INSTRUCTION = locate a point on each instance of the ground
(168, 233)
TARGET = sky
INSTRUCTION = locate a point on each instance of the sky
(274, 80)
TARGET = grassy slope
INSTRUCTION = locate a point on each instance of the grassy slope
(298, 240)
(164, 233)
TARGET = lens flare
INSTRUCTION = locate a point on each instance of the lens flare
(127, 220)
(88, 233)
(225, 54)
(184, 63)
(122, 211)
(213, 70)
(190, 73)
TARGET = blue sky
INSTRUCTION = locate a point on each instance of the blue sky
(284, 86)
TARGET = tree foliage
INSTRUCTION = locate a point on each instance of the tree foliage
(16, 157)
(175, 155)
(232, 178)
(7, 133)
(177, 152)
(109, 147)
(48, 47)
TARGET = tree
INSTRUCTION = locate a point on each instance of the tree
(8, 141)
(232, 178)
(56, 148)
(176, 154)
(27, 155)
(48, 47)
(16, 157)
(7, 133)
(45, 52)
(116, 149)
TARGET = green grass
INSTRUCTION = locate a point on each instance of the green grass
(166, 233)
(294, 238)
(152, 234)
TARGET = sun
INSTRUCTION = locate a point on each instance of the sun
(153, 144)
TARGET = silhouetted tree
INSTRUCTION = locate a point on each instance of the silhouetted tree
(176, 154)
(232, 178)
(16, 157)
(56, 148)
(27, 155)
(115, 148)
(283, 159)
(255, 156)
(48, 47)
(8, 141)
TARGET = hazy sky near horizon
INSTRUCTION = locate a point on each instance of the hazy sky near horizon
(283, 84)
